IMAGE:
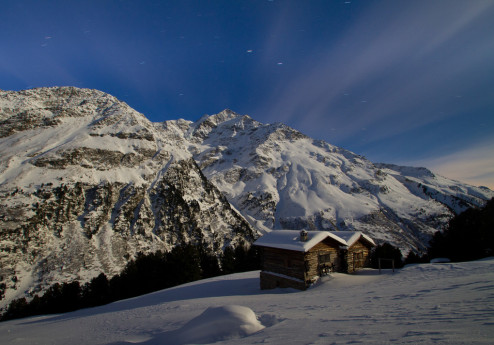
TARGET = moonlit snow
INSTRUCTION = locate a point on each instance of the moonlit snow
(216, 323)
(446, 303)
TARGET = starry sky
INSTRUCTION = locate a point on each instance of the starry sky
(409, 82)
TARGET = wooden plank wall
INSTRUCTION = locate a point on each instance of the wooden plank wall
(356, 248)
(282, 261)
(312, 257)
(298, 264)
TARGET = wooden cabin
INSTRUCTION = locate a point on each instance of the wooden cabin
(357, 252)
(292, 258)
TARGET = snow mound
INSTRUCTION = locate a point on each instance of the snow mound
(218, 323)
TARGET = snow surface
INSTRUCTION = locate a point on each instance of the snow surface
(290, 239)
(281, 179)
(449, 303)
(216, 323)
(352, 236)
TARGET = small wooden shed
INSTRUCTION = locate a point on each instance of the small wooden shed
(292, 258)
(357, 252)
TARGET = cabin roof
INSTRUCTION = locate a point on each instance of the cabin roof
(353, 236)
(290, 239)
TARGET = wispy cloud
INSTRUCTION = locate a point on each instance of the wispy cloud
(474, 165)
(399, 67)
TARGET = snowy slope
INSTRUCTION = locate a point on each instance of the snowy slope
(281, 179)
(419, 304)
(77, 135)
(86, 183)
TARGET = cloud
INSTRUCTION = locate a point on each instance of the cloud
(473, 165)
(403, 70)
(407, 60)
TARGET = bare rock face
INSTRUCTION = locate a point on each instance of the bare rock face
(86, 183)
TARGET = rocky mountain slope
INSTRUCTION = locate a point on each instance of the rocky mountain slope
(281, 179)
(86, 182)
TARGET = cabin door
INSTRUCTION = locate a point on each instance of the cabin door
(358, 260)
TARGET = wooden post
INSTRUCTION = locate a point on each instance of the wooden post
(392, 264)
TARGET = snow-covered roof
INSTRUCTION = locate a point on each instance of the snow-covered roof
(352, 236)
(290, 239)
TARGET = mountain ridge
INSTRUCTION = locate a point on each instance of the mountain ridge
(87, 182)
(285, 173)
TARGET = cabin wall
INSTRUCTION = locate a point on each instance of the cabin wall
(285, 262)
(313, 264)
(358, 256)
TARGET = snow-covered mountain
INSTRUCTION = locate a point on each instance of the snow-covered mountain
(87, 182)
(281, 179)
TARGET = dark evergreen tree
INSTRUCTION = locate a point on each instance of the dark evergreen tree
(97, 292)
(386, 251)
(253, 259)
(228, 261)
(469, 236)
(52, 301)
(183, 265)
(240, 259)
(343, 260)
(209, 262)
(17, 308)
(414, 258)
(71, 296)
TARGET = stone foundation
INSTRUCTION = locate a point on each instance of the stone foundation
(272, 281)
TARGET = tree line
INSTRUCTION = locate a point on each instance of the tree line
(468, 236)
(146, 273)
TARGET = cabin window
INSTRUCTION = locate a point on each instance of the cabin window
(324, 261)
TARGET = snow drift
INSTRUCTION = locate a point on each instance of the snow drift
(215, 324)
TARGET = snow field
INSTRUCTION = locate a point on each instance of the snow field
(449, 303)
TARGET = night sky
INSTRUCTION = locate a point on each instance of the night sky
(399, 81)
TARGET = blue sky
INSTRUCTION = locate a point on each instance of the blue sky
(399, 81)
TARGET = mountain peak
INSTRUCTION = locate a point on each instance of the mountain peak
(216, 119)
(203, 127)
(86, 182)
